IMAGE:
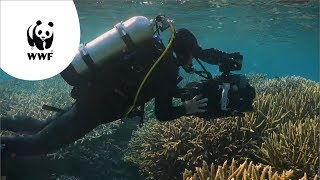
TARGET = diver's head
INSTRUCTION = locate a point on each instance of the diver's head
(185, 46)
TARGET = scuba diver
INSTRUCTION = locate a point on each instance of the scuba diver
(113, 77)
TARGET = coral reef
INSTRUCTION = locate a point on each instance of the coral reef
(243, 171)
(18, 97)
(163, 150)
(285, 84)
(296, 98)
(296, 147)
(274, 109)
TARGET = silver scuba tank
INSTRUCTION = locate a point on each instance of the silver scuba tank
(110, 45)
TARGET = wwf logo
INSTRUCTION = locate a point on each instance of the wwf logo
(40, 35)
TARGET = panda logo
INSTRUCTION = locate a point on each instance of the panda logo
(40, 35)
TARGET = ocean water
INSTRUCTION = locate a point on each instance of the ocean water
(277, 38)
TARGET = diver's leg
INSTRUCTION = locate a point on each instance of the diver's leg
(23, 124)
(64, 130)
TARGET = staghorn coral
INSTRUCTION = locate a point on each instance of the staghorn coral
(243, 171)
(301, 100)
(18, 97)
(272, 110)
(163, 150)
(26, 98)
(295, 94)
(296, 146)
(263, 85)
(299, 103)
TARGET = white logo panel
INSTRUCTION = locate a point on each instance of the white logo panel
(39, 39)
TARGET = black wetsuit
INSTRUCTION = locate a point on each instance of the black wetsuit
(105, 98)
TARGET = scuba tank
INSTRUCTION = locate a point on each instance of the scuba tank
(110, 45)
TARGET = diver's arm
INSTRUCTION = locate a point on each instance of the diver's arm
(217, 57)
(164, 109)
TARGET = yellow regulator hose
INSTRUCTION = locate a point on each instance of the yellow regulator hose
(150, 71)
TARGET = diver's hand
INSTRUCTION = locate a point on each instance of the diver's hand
(195, 104)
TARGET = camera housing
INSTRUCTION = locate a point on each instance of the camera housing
(240, 96)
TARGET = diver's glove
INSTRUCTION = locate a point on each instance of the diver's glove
(195, 105)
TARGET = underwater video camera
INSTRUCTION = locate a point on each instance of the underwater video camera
(228, 94)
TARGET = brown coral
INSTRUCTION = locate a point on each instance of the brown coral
(163, 150)
(263, 85)
(18, 97)
(296, 146)
(243, 171)
(272, 110)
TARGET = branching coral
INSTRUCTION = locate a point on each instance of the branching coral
(263, 85)
(26, 98)
(19, 97)
(272, 110)
(243, 171)
(296, 146)
(163, 150)
(295, 94)
(300, 100)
